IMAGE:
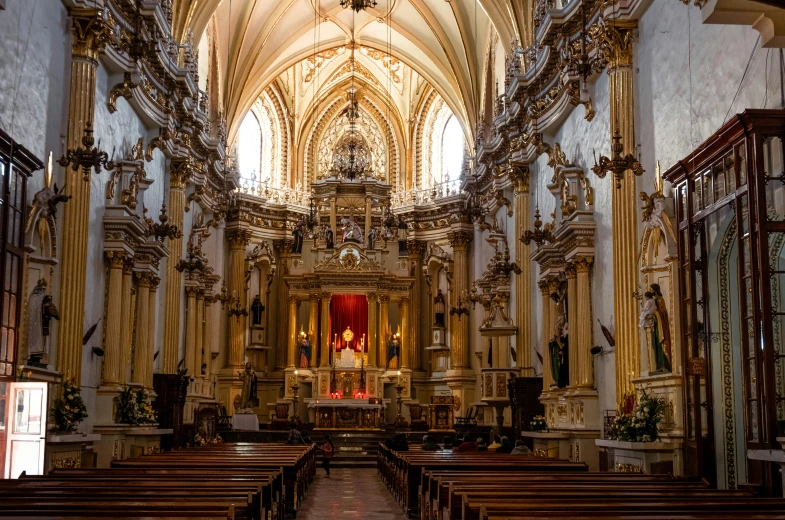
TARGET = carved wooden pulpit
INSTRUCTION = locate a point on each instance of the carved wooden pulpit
(442, 409)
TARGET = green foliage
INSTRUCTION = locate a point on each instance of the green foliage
(640, 424)
(69, 410)
(134, 406)
(538, 424)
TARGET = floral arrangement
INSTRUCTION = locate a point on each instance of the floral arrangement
(134, 406)
(538, 423)
(639, 424)
(69, 410)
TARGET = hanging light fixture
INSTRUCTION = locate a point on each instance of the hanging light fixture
(617, 164)
(581, 63)
(358, 5)
(538, 234)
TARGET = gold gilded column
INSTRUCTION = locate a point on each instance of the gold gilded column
(291, 337)
(334, 220)
(616, 39)
(199, 332)
(238, 240)
(383, 328)
(179, 173)
(572, 321)
(190, 330)
(207, 337)
(313, 327)
(373, 328)
(547, 377)
(113, 355)
(460, 240)
(416, 250)
(284, 248)
(151, 335)
(143, 362)
(368, 207)
(126, 326)
(90, 34)
(523, 302)
(583, 328)
(326, 342)
(405, 332)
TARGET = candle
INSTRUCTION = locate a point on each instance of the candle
(399, 378)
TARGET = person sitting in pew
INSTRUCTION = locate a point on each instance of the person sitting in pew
(506, 446)
(466, 446)
(295, 437)
(447, 443)
(481, 446)
(497, 441)
(520, 448)
(429, 443)
(306, 437)
(398, 442)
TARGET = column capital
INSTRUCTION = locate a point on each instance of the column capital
(179, 174)
(91, 32)
(415, 248)
(384, 298)
(144, 279)
(615, 38)
(326, 297)
(372, 297)
(460, 240)
(314, 298)
(117, 259)
(191, 291)
(284, 247)
(293, 299)
(128, 265)
(404, 300)
(583, 263)
(154, 281)
(571, 270)
(543, 285)
(238, 238)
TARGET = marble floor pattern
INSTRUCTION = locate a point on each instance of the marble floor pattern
(349, 494)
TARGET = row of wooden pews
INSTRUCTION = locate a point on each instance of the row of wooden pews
(489, 486)
(219, 481)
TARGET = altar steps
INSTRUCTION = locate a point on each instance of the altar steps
(353, 449)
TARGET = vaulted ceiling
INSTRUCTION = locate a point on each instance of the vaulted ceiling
(443, 41)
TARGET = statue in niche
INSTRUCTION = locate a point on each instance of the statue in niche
(41, 312)
(654, 319)
(257, 310)
(137, 151)
(297, 237)
(351, 230)
(305, 352)
(45, 204)
(248, 399)
(559, 344)
(393, 352)
(129, 196)
(439, 306)
(372, 234)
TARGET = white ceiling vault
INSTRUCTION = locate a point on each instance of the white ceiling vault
(443, 41)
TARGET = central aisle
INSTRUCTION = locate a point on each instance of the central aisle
(349, 494)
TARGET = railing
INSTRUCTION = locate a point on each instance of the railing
(273, 195)
(417, 197)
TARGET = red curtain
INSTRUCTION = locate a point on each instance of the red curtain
(349, 310)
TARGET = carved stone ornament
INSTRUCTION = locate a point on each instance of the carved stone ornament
(348, 259)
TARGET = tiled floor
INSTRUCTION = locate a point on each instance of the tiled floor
(349, 494)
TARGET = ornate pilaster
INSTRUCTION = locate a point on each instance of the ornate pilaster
(368, 206)
(291, 337)
(113, 356)
(460, 240)
(326, 339)
(416, 250)
(179, 173)
(126, 326)
(547, 378)
(583, 326)
(207, 337)
(151, 322)
(90, 35)
(383, 328)
(405, 333)
(373, 328)
(190, 330)
(143, 359)
(333, 218)
(313, 326)
(572, 321)
(284, 248)
(523, 303)
(238, 240)
(616, 40)
(199, 332)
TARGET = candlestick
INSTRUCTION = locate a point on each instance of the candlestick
(399, 377)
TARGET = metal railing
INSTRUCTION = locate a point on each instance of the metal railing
(418, 197)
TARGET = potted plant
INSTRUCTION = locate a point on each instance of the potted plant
(69, 409)
(538, 424)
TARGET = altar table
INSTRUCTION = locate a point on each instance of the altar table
(347, 414)
(245, 421)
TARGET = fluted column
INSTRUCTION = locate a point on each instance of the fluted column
(460, 241)
(583, 329)
(547, 377)
(238, 240)
(113, 355)
(416, 250)
(207, 335)
(291, 337)
(383, 328)
(405, 332)
(373, 328)
(143, 362)
(90, 34)
(368, 206)
(126, 327)
(190, 330)
(326, 339)
(151, 336)
(179, 173)
(199, 332)
(523, 301)
(617, 38)
(313, 326)
(284, 248)
(572, 322)
(333, 219)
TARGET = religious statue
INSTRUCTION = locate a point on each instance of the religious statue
(137, 151)
(305, 352)
(559, 343)
(35, 330)
(393, 353)
(248, 395)
(438, 306)
(45, 204)
(372, 234)
(654, 318)
(351, 230)
(257, 310)
(297, 234)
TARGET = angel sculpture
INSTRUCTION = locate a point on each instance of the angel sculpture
(45, 204)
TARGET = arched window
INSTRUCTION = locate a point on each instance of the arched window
(453, 147)
(249, 148)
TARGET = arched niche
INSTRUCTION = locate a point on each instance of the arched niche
(260, 273)
(437, 270)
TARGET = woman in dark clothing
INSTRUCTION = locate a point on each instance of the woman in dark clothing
(506, 446)
(328, 450)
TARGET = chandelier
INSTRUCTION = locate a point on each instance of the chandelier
(578, 61)
(617, 163)
(358, 5)
(538, 235)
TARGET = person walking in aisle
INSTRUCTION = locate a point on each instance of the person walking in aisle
(328, 449)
